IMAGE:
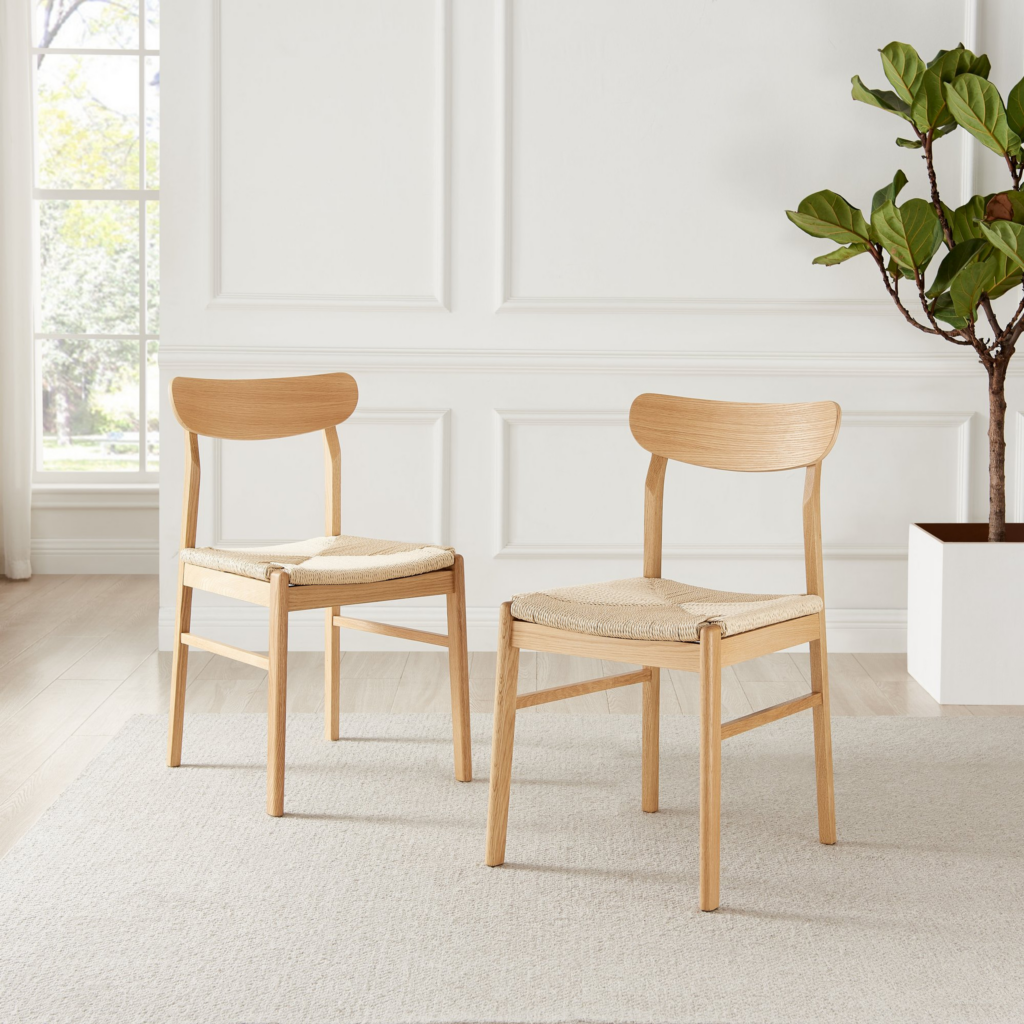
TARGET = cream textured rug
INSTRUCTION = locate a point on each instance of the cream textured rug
(148, 894)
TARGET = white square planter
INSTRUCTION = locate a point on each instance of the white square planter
(965, 613)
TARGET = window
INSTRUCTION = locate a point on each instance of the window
(97, 112)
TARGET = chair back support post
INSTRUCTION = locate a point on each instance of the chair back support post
(813, 563)
(654, 504)
(190, 502)
(332, 482)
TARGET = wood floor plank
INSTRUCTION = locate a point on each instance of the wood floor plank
(145, 692)
(852, 690)
(424, 684)
(735, 701)
(770, 668)
(22, 808)
(373, 664)
(76, 606)
(365, 695)
(26, 676)
(907, 696)
(36, 731)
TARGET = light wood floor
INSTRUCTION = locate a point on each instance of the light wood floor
(78, 657)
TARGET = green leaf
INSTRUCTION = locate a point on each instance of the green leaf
(970, 251)
(942, 309)
(968, 286)
(929, 110)
(945, 130)
(976, 105)
(908, 143)
(889, 192)
(904, 68)
(881, 98)
(1015, 108)
(965, 220)
(942, 53)
(911, 233)
(981, 67)
(1007, 237)
(1007, 275)
(950, 63)
(826, 214)
(841, 255)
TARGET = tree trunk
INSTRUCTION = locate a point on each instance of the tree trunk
(997, 451)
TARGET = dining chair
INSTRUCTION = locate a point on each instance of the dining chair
(326, 572)
(658, 623)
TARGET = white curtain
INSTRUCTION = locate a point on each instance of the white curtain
(16, 265)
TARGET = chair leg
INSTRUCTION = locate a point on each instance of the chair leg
(277, 692)
(823, 740)
(179, 670)
(458, 671)
(651, 740)
(505, 686)
(710, 763)
(332, 675)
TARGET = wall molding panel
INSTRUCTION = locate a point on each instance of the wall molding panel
(437, 421)
(507, 547)
(439, 299)
(508, 301)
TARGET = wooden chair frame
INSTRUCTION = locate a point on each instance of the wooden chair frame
(283, 407)
(718, 435)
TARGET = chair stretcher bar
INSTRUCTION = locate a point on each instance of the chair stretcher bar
(772, 714)
(528, 700)
(386, 629)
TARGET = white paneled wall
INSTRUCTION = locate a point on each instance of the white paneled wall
(509, 217)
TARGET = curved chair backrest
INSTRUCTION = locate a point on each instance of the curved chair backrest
(255, 410)
(259, 410)
(744, 436)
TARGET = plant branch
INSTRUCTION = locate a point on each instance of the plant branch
(926, 143)
(986, 304)
(1015, 167)
(893, 292)
(947, 333)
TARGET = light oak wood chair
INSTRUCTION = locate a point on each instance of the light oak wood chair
(658, 623)
(325, 572)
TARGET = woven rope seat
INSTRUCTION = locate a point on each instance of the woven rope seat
(657, 609)
(326, 560)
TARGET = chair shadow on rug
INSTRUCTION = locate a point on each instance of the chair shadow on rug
(659, 623)
(324, 572)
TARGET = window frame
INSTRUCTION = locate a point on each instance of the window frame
(102, 479)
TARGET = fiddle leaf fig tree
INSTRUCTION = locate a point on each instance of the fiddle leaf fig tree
(952, 263)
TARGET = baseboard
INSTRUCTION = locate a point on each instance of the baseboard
(858, 630)
(89, 555)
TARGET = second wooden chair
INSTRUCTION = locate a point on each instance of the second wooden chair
(658, 623)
